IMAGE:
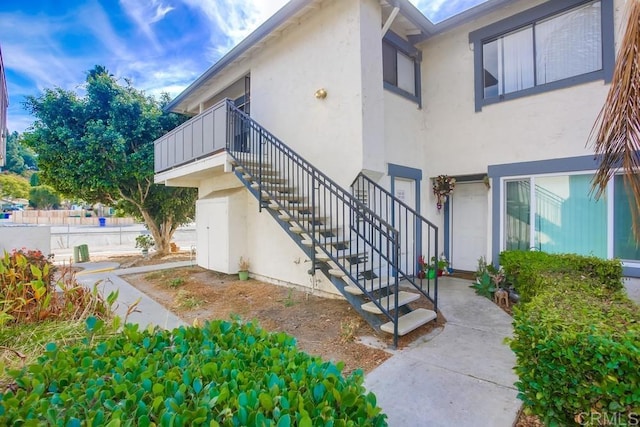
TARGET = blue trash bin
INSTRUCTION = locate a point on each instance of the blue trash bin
(102, 221)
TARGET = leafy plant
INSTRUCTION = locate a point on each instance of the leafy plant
(484, 285)
(28, 292)
(577, 352)
(176, 282)
(525, 268)
(225, 373)
(144, 241)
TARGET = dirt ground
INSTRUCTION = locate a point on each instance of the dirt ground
(326, 327)
(322, 326)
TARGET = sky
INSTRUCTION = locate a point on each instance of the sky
(159, 45)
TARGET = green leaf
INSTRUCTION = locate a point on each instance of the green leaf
(266, 401)
(284, 421)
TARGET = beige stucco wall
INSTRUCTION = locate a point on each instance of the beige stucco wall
(324, 51)
(549, 125)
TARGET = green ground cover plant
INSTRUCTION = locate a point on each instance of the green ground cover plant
(224, 373)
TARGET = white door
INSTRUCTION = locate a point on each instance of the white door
(404, 190)
(468, 225)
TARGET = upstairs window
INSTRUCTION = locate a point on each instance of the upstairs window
(557, 44)
(401, 67)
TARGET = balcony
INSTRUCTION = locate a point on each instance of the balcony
(199, 138)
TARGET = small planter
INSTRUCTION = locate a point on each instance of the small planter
(431, 273)
(145, 253)
(243, 275)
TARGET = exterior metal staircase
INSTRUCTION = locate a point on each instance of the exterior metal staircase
(357, 248)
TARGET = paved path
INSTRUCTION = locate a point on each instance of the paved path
(148, 311)
(461, 377)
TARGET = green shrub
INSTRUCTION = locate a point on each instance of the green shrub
(225, 373)
(525, 268)
(577, 347)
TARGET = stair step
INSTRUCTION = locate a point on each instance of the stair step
(253, 169)
(411, 321)
(403, 299)
(265, 179)
(290, 197)
(371, 286)
(296, 229)
(248, 160)
(338, 273)
(278, 188)
(353, 290)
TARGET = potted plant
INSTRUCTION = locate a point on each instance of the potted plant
(243, 269)
(440, 264)
(144, 242)
(427, 270)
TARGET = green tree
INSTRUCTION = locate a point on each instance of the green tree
(34, 180)
(13, 186)
(43, 197)
(20, 157)
(99, 148)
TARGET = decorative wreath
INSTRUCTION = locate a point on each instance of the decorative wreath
(443, 186)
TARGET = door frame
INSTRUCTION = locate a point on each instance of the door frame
(475, 178)
(409, 174)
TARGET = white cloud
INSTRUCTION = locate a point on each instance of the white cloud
(145, 13)
(235, 19)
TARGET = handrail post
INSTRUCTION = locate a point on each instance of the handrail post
(396, 260)
(260, 171)
(313, 223)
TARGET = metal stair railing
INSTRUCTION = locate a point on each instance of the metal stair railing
(417, 235)
(360, 244)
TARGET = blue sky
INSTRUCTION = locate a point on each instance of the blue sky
(160, 45)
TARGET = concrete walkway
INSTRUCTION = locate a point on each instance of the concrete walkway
(148, 311)
(461, 377)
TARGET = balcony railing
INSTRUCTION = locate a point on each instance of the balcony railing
(203, 135)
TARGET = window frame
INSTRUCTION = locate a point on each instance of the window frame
(521, 20)
(403, 46)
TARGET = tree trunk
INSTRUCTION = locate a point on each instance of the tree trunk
(162, 234)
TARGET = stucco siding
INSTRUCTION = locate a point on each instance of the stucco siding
(552, 124)
(322, 52)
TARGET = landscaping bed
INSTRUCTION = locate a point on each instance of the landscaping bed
(328, 327)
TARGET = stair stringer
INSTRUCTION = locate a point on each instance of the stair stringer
(356, 301)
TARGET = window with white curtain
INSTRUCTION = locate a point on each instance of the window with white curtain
(547, 47)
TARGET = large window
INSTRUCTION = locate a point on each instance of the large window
(401, 67)
(558, 214)
(554, 45)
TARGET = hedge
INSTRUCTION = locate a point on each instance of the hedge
(576, 340)
(524, 269)
(224, 373)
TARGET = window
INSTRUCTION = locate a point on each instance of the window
(567, 219)
(401, 67)
(554, 45)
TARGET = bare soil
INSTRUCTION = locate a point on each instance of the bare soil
(328, 327)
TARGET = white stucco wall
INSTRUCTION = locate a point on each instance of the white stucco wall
(324, 51)
(461, 141)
